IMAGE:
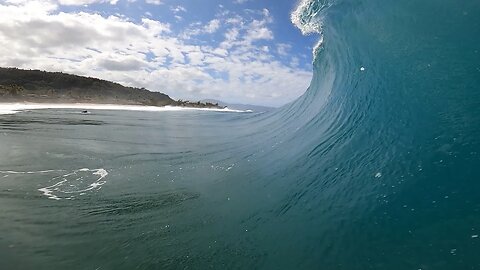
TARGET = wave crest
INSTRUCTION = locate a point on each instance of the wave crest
(309, 14)
(308, 17)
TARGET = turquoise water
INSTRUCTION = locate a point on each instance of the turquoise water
(376, 166)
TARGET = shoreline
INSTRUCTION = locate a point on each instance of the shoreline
(15, 107)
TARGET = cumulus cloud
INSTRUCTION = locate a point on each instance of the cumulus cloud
(148, 53)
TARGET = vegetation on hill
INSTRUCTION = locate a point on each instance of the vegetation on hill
(18, 85)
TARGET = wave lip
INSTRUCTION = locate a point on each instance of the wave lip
(308, 17)
(12, 108)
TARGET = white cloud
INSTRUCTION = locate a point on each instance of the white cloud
(85, 2)
(283, 49)
(240, 1)
(154, 2)
(149, 54)
(198, 28)
(63, 2)
(257, 32)
(118, 62)
(178, 9)
(231, 35)
(212, 26)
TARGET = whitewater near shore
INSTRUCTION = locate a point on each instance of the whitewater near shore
(11, 108)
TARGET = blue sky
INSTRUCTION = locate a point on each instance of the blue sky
(241, 51)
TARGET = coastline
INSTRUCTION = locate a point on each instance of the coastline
(15, 107)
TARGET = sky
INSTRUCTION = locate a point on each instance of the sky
(237, 51)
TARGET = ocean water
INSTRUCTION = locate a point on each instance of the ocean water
(376, 166)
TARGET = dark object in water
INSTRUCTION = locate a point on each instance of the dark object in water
(84, 111)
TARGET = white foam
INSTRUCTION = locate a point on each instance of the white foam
(67, 187)
(308, 16)
(11, 108)
(6, 111)
(48, 191)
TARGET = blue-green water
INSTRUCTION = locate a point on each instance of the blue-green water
(376, 166)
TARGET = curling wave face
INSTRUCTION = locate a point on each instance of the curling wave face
(383, 162)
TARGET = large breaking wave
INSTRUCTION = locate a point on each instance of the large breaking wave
(378, 160)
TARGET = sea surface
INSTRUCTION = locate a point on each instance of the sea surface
(376, 166)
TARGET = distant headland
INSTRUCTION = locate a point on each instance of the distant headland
(19, 85)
